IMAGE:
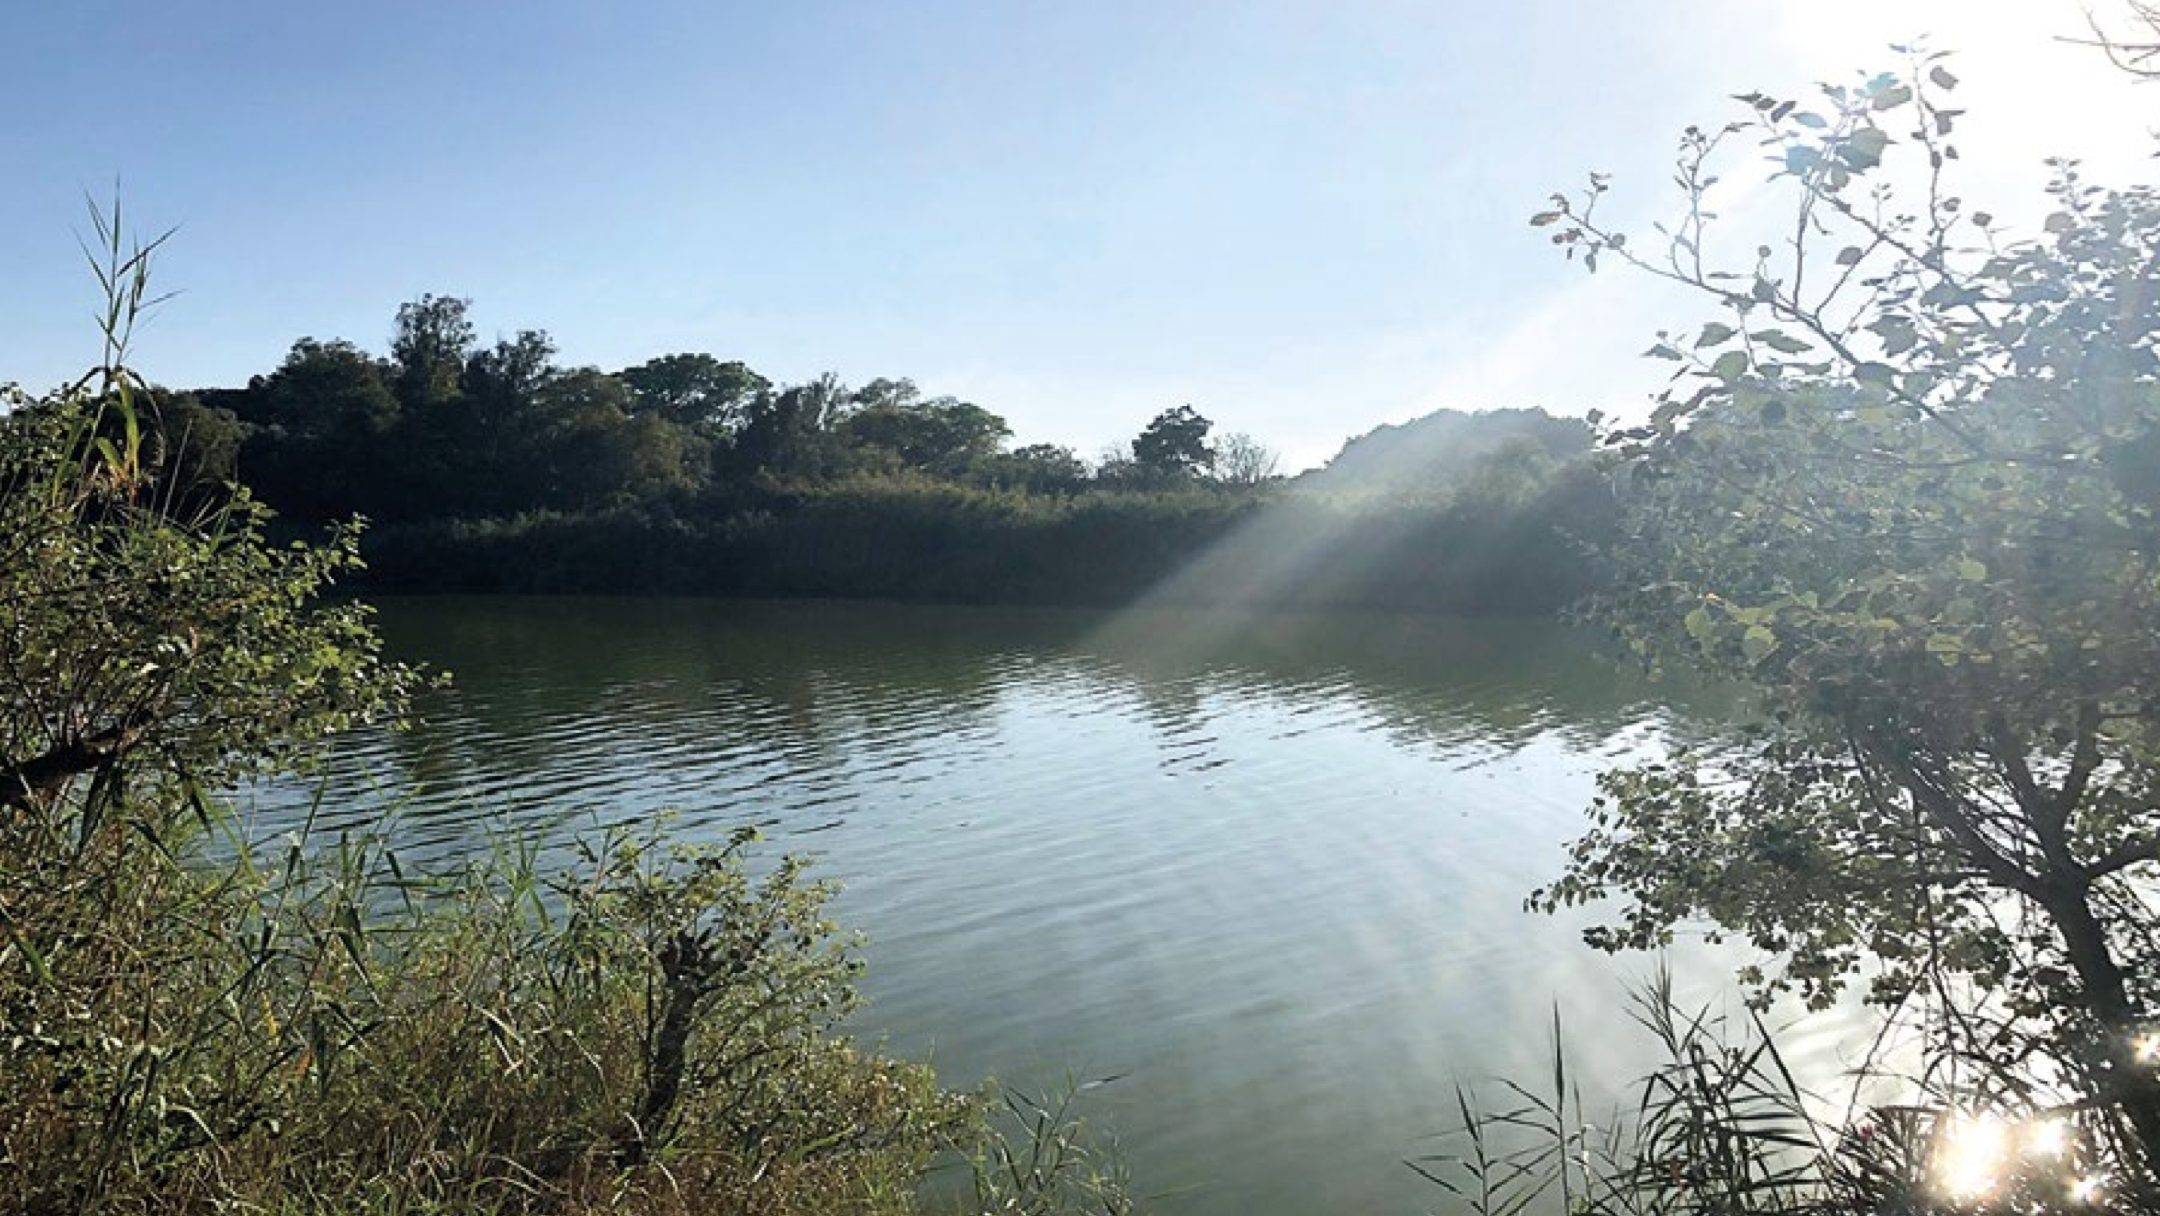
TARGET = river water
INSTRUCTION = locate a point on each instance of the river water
(1267, 872)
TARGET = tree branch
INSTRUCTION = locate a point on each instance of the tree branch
(28, 783)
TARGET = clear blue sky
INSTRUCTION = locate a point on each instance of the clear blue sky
(1304, 218)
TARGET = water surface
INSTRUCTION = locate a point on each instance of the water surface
(1267, 871)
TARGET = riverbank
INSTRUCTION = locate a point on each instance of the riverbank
(934, 542)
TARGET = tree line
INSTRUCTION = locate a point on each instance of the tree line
(493, 467)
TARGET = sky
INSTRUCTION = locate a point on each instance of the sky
(1305, 219)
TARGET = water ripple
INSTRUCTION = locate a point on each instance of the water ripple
(1272, 872)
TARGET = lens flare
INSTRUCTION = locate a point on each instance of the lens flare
(2048, 1138)
(2087, 1190)
(2148, 1049)
(1970, 1153)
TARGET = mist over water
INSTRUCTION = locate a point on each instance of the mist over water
(1266, 871)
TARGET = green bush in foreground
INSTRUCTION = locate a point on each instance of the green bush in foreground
(651, 1034)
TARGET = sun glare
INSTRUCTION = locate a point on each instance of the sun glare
(1979, 1156)
(2048, 1138)
(1970, 1154)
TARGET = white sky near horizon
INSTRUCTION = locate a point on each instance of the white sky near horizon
(1305, 219)
(2030, 94)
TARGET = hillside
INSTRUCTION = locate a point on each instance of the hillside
(1446, 449)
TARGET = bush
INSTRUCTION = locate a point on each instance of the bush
(322, 1031)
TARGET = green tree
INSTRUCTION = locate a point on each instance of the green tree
(943, 435)
(197, 448)
(491, 440)
(1174, 444)
(315, 428)
(593, 447)
(1907, 488)
(428, 349)
(330, 390)
(694, 390)
(790, 433)
(1041, 468)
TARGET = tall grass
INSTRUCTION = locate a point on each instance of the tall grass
(1724, 1128)
(318, 1029)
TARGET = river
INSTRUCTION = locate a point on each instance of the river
(1267, 872)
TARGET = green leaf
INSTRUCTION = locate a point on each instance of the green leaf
(1730, 366)
(1715, 333)
(1698, 624)
(1972, 571)
(1875, 373)
(1781, 342)
(1863, 149)
(1758, 643)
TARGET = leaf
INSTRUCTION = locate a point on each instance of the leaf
(1898, 334)
(1698, 624)
(1850, 255)
(1942, 77)
(1972, 571)
(1715, 333)
(1781, 342)
(1758, 643)
(1890, 99)
(1875, 373)
(1863, 149)
(1542, 218)
(1730, 366)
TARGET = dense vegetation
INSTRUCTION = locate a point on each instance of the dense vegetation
(1906, 489)
(191, 1021)
(492, 468)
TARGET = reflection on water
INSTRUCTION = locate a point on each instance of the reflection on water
(1270, 869)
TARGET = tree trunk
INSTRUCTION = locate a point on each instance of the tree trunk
(2126, 1081)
